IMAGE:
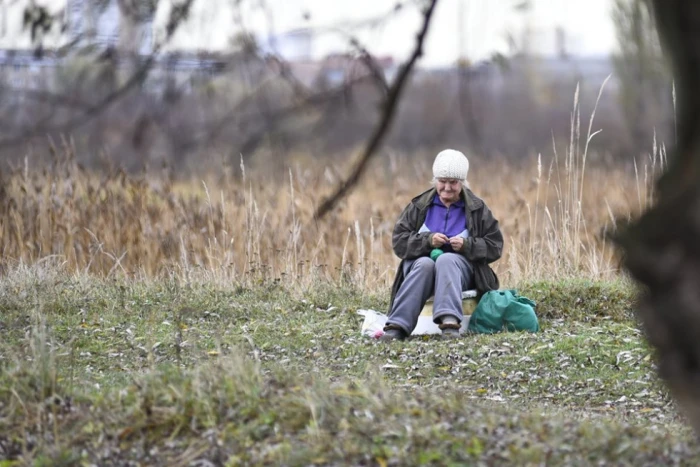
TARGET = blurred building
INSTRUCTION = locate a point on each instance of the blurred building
(294, 45)
(295, 48)
(338, 69)
(541, 57)
(109, 31)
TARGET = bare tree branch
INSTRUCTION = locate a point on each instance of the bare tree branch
(373, 67)
(387, 117)
(466, 109)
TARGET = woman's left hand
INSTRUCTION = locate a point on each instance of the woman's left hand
(457, 243)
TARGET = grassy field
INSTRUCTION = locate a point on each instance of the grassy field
(175, 372)
(154, 320)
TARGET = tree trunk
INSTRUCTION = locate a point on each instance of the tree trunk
(662, 248)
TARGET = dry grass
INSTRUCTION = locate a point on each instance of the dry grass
(244, 228)
(245, 225)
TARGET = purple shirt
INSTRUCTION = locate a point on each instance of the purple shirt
(450, 221)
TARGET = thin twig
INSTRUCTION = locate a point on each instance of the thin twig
(387, 117)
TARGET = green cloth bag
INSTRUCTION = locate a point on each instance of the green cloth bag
(500, 310)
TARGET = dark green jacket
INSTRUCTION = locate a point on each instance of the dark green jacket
(484, 245)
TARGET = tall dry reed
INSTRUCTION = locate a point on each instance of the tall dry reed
(246, 228)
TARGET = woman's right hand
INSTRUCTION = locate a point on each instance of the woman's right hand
(438, 240)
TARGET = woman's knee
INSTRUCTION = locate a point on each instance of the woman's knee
(448, 260)
(424, 265)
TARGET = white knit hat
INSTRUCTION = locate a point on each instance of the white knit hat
(451, 164)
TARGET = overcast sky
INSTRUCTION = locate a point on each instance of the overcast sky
(474, 28)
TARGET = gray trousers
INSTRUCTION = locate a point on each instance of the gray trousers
(445, 278)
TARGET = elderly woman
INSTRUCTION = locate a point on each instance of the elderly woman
(446, 237)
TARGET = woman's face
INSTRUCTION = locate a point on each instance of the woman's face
(448, 189)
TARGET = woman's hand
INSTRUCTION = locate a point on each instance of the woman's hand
(457, 243)
(438, 240)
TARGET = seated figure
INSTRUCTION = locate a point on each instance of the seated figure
(446, 238)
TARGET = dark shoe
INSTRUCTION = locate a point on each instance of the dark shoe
(449, 327)
(450, 333)
(392, 335)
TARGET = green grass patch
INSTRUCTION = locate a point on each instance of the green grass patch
(168, 372)
(582, 300)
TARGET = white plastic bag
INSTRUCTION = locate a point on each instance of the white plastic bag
(374, 322)
(373, 325)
